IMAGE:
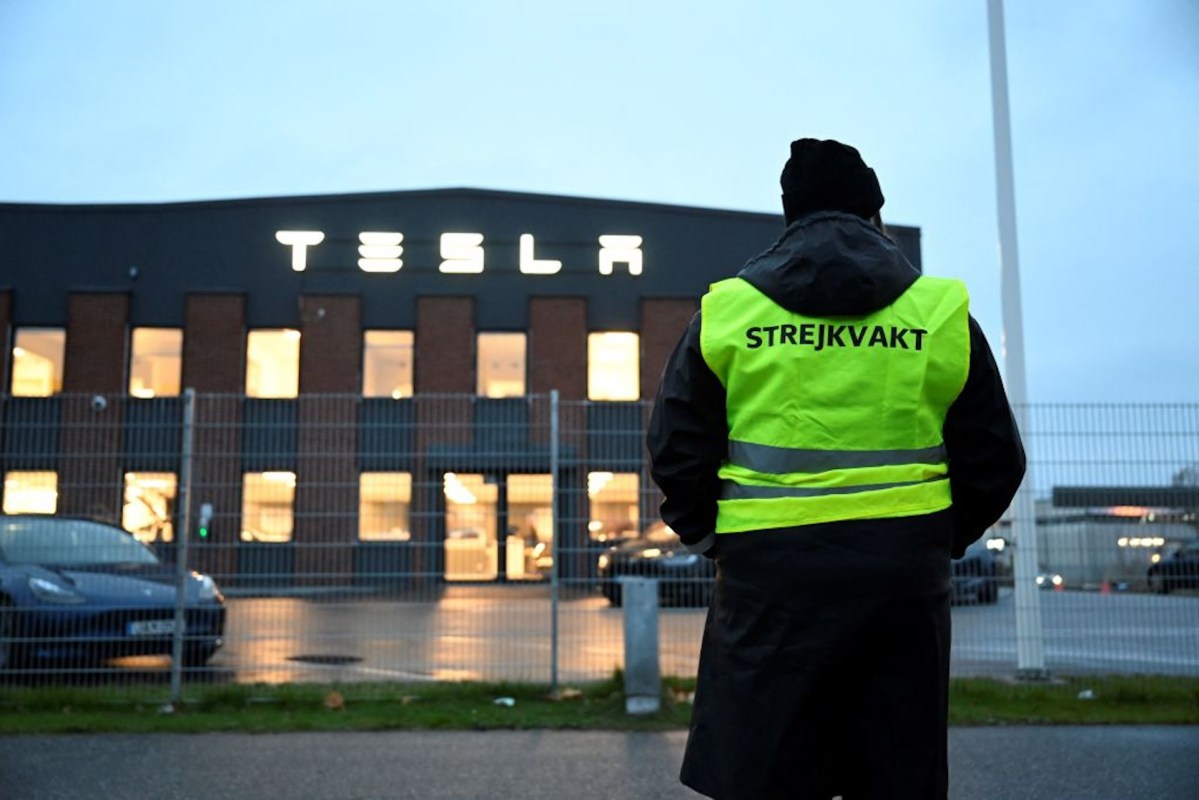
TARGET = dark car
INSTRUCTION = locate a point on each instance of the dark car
(975, 576)
(75, 592)
(1179, 571)
(684, 578)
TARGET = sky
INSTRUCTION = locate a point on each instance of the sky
(690, 103)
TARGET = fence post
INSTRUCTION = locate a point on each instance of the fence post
(555, 554)
(182, 534)
(642, 672)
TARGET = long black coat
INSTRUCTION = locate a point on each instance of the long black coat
(825, 659)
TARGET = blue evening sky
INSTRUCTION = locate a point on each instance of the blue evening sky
(690, 103)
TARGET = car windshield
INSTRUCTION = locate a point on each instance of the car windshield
(54, 540)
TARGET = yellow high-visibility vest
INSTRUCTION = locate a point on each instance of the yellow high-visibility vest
(835, 418)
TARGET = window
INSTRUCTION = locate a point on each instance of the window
(387, 364)
(471, 546)
(530, 535)
(613, 366)
(37, 357)
(155, 362)
(614, 508)
(30, 492)
(268, 506)
(273, 363)
(501, 364)
(149, 509)
(383, 503)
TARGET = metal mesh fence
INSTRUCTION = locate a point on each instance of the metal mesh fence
(469, 538)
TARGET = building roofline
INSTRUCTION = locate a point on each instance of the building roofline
(369, 197)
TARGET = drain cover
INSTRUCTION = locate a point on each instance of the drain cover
(328, 659)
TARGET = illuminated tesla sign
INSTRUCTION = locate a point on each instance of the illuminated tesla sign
(461, 253)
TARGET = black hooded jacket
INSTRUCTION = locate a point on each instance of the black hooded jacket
(829, 264)
(825, 660)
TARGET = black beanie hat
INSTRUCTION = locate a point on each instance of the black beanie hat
(825, 175)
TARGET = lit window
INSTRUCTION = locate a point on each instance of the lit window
(268, 506)
(37, 361)
(614, 508)
(149, 509)
(30, 492)
(471, 517)
(155, 362)
(383, 502)
(613, 366)
(273, 363)
(529, 544)
(501, 364)
(387, 364)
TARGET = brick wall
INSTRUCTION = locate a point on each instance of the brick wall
(90, 474)
(662, 324)
(214, 343)
(558, 346)
(214, 359)
(444, 356)
(327, 438)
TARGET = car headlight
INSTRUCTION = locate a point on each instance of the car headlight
(208, 588)
(51, 592)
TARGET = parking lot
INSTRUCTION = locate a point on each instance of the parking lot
(505, 633)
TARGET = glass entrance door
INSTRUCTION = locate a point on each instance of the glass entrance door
(530, 530)
(471, 547)
(477, 507)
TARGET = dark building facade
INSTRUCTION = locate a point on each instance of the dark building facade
(380, 364)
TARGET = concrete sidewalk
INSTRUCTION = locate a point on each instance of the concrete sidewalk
(1001, 763)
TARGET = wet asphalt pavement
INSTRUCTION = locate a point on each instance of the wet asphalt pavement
(1000, 763)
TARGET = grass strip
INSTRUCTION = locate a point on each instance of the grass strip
(1134, 700)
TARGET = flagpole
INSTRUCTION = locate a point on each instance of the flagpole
(1030, 646)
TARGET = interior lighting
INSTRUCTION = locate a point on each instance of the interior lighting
(596, 481)
(288, 478)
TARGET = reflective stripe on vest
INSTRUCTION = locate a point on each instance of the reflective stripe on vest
(835, 418)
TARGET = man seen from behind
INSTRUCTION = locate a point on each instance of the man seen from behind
(830, 429)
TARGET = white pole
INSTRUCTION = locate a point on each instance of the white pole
(1030, 645)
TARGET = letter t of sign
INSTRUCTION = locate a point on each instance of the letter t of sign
(299, 241)
(624, 249)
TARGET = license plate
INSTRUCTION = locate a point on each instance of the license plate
(152, 627)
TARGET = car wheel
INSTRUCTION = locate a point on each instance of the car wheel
(197, 656)
(614, 596)
(8, 629)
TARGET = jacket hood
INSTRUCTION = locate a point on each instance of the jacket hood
(831, 264)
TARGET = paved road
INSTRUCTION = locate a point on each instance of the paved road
(1010, 763)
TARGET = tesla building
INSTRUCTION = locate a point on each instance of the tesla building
(367, 368)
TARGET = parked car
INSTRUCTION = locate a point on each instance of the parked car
(75, 592)
(683, 578)
(975, 576)
(1178, 571)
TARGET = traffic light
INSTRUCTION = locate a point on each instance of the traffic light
(205, 521)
